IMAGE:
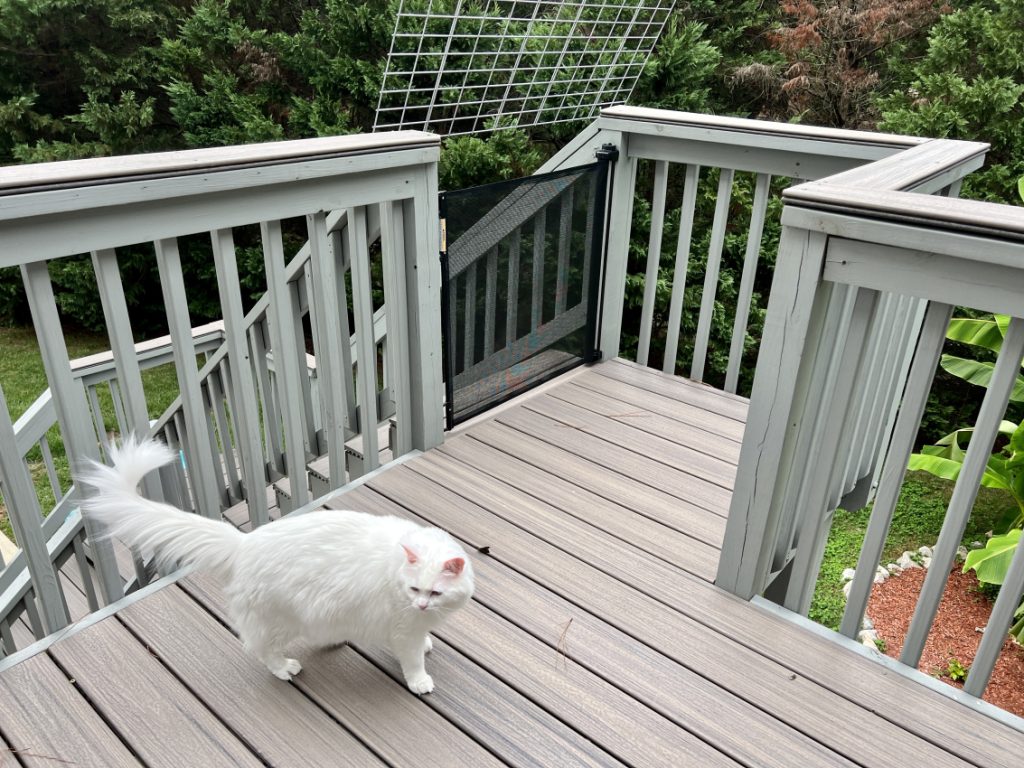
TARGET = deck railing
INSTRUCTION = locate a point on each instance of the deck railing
(872, 241)
(860, 240)
(248, 416)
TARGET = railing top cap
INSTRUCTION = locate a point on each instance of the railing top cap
(74, 173)
(718, 122)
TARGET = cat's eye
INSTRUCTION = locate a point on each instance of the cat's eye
(435, 593)
(414, 590)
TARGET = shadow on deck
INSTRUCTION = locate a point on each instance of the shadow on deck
(596, 636)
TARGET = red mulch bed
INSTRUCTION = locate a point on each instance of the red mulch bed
(954, 634)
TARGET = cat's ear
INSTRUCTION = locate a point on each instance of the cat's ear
(410, 556)
(454, 566)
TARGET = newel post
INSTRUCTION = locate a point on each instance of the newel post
(755, 512)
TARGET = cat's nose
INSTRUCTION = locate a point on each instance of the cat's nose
(421, 604)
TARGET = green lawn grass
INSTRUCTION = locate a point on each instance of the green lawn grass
(916, 522)
(23, 380)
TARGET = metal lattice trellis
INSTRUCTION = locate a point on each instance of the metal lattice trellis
(459, 67)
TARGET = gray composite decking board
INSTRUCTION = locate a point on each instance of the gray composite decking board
(638, 416)
(480, 704)
(379, 709)
(693, 393)
(44, 714)
(470, 697)
(274, 718)
(804, 653)
(684, 696)
(132, 690)
(714, 470)
(560, 462)
(475, 464)
(540, 520)
(640, 468)
(675, 410)
(693, 632)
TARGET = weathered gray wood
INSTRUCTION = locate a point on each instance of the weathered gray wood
(841, 410)
(244, 414)
(653, 260)
(213, 665)
(915, 398)
(393, 257)
(711, 269)
(620, 219)
(759, 208)
(675, 310)
(48, 722)
(70, 404)
(268, 403)
(966, 491)
(198, 454)
(143, 694)
(423, 279)
(216, 388)
(335, 379)
(753, 525)
(22, 507)
(362, 305)
(287, 359)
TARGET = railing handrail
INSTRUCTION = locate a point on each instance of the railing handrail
(69, 174)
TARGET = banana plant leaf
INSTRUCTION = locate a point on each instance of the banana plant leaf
(978, 332)
(948, 469)
(979, 373)
(992, 562)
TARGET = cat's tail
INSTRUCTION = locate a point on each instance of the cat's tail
(153, 528)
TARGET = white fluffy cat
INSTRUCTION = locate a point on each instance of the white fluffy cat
(316, 579)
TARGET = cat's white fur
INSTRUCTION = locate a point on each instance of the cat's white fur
(316, 579)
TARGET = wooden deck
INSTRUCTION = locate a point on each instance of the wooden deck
(596, 636)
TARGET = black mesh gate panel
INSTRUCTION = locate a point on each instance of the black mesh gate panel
(522, 270)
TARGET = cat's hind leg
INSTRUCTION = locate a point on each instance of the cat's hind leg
(266, 641)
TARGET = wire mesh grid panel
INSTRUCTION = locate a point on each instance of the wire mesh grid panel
(457, 67)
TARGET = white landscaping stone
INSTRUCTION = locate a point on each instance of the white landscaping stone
(905, 561)
(846, 589)
(925, 551)
(866, 624)
(879, 578)
(894, 570)
(867, 635)
(977, 545)
(961, 553)
(848, 574)
(926, 562)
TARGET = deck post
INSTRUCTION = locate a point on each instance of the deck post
(620, 225)
(754, 514)
(423, 281)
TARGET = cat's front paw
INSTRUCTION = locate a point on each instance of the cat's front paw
(428, 644)
(285, 669)
(422, 684)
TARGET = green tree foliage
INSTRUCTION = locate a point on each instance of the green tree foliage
(970, 85)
